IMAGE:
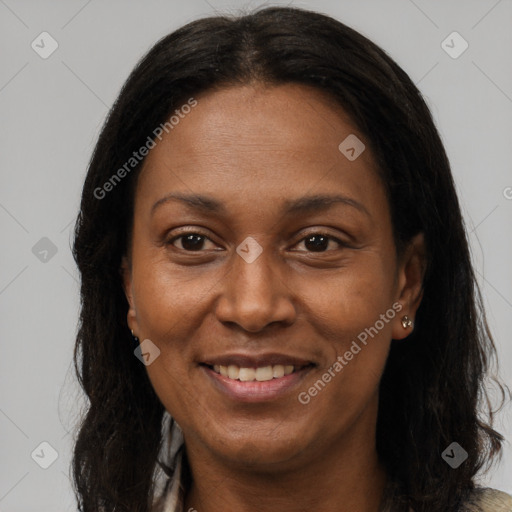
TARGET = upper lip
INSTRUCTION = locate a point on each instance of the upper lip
(256, 360)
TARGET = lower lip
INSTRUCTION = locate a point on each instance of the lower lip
(256, 391)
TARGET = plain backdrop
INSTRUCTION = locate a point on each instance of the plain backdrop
(52, 110)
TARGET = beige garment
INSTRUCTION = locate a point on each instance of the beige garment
(170, 492)
(489, 500)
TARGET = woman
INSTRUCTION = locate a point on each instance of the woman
(279, 310)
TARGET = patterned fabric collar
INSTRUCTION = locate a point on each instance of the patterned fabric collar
(175, 495)
(169, 491)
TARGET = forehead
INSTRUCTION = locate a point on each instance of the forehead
(263, 142)
(254, 118)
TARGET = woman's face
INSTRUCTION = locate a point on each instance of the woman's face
(257, 243)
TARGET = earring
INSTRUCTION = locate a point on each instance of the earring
(134, 337)
(406, 322)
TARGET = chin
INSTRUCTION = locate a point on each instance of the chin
(259, 446)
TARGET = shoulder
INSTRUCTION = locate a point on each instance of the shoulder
(485, 499)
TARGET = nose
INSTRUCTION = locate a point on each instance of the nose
(255, 294)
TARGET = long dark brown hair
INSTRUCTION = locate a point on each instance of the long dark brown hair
(432, 391)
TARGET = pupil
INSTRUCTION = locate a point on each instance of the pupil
(192, 242)
(320, 244)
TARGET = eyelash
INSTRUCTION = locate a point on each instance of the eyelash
(196, 232)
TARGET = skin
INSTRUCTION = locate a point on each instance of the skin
(252, 148)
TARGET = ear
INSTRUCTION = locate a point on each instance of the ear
(126, 273)
(411, 272)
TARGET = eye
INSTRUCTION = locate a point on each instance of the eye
(190, 241)
(195, 241)
(318, 242)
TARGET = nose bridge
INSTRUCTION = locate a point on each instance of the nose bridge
(254, 293)
(254, 273)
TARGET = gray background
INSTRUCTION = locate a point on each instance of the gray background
(52, 110)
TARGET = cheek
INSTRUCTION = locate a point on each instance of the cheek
(171, 304)
(353, 311)
(166, 315)
(352, 299)
(168, 298)
(168, 321)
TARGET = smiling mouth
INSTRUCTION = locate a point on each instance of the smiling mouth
(259, 374)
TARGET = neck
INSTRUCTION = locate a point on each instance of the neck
(345, 477)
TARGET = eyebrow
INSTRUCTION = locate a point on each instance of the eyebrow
(302, 205)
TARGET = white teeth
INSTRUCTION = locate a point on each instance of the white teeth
(233, 371)
(278, 371)
(260, 374)
(247, 374)
(264, 373)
